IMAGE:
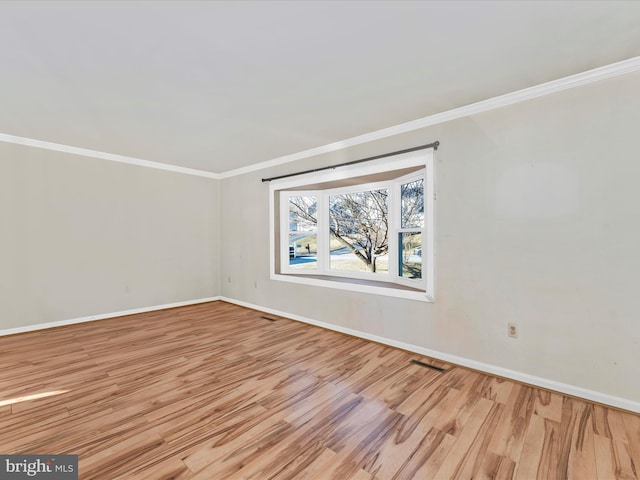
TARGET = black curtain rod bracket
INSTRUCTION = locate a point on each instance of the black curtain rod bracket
(433, 145)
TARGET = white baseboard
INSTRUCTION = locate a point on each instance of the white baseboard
(599, 397)
(102, 316)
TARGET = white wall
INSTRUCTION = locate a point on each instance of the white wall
(538, 223)
(81, 237)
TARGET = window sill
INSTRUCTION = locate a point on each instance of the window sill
(355, 285)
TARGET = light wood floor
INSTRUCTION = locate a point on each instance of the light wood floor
(216, 392)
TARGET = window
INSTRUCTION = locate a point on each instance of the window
(302, 240)
(366, 228)
(359, 231)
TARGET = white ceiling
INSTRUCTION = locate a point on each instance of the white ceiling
(217, 86)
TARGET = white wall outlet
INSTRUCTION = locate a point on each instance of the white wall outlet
(512, 330)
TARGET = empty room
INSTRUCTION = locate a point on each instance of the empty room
(317, 240)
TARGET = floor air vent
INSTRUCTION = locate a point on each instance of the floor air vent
(426, 365)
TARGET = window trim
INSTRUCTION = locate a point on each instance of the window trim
(380, 285)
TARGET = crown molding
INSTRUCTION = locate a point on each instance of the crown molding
(624, 67)
(58, 147)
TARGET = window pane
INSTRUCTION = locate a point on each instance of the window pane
(350, 256)
(303, 214)
(303, 250)
(412, 204)
(410, 255)
(359, 231)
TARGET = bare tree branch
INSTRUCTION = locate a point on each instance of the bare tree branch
(359, 221)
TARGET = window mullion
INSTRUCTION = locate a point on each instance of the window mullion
(394, 224)
(284, 232)
(323, 232)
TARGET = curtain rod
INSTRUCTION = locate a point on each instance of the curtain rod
(433, 145)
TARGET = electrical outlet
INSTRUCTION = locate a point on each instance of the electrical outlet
(512, 330)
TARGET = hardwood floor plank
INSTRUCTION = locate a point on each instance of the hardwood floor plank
(496, 389)
(529, 461)
(225, 439)
(363, 475)
(613, 459)
(454, 464)
(243, 453)
(625, 468)
(632, 427)
(415, 434)
(26, 429)
(433, 458)
(393, 464)
(508, 438)
(582, 459)
(214, 391)
(324, 459)
(362, 451)
(116, 459)
(478, 449)
(604, 457)
(548, 405)
(169, 469)
(495, 466)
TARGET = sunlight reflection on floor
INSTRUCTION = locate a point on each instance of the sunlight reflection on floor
(35, 396)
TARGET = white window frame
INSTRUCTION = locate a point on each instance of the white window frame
(322, 275)
(396, 227)
(285, 231)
